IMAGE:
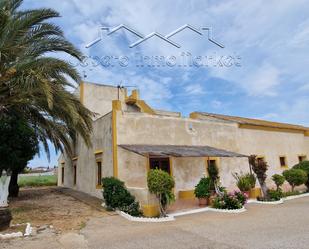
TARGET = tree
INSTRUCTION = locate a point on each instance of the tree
(213, 173)
(116, 196)
(260, 167)
(278, 180)
(18, 145)
(304, 165)
(161, 184)
(295, 177)
(36, 85)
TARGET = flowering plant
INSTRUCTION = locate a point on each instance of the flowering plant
(234, 200)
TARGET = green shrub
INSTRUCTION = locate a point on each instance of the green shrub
(304, 165)
(252, 180)
(202, 189)
(290, 193)
(244, 181)
(275, 195)
(161, 184)
(295, 177)
(229, 201)
(278, 180)
(116, 196)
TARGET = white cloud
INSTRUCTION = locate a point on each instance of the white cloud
(194, 89)
(262, 81)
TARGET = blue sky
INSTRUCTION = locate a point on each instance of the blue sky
(270, 40)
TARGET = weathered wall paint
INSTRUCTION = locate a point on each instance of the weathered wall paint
(134, 127)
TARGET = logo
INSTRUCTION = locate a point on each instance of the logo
(203, 31)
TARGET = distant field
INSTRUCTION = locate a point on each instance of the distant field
(36, 181)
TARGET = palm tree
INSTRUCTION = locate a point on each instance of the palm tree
(36, 85)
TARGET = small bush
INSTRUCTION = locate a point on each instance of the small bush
(202, 189)
(244, 181)
(304, 165)
(274, 195)
(278, 180)
(290, 193)
(252, 180)
(234, 200)
(295, 177)
(116, 196)
(161, 184)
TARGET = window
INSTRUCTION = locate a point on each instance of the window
(99, 173)
(282, 160)
(62, 173)
(74, 174)
(162, 163)
(302, 158)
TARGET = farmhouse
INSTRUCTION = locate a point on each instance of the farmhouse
(130, 137)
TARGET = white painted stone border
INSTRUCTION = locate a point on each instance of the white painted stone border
(282, 200)
(11, 235)
(200, 210)
(231, 211)
(144, 219)
(292, 197)
(192, 211)
(171, 217)
(27, 232)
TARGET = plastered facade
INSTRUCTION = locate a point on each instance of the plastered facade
(135, 126)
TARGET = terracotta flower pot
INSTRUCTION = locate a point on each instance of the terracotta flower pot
(202, 201)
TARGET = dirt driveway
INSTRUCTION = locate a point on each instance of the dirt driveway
(47, 206)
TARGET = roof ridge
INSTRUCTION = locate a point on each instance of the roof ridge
(244, 119)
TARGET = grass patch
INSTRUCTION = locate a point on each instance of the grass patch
(18, 210)
(37, 181)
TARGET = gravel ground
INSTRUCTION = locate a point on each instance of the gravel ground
(283, 226)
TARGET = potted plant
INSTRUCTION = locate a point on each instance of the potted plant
(202, 191)
(244, 182)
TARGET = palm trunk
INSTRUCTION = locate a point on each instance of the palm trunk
(13, 187)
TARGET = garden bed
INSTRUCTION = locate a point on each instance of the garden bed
(266, 202)
(172, 216)
(291, 197)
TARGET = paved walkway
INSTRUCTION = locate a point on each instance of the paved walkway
(284, 226)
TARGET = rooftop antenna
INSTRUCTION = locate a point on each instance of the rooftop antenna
(120, 86)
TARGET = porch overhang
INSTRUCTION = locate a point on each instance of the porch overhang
(178, 151)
